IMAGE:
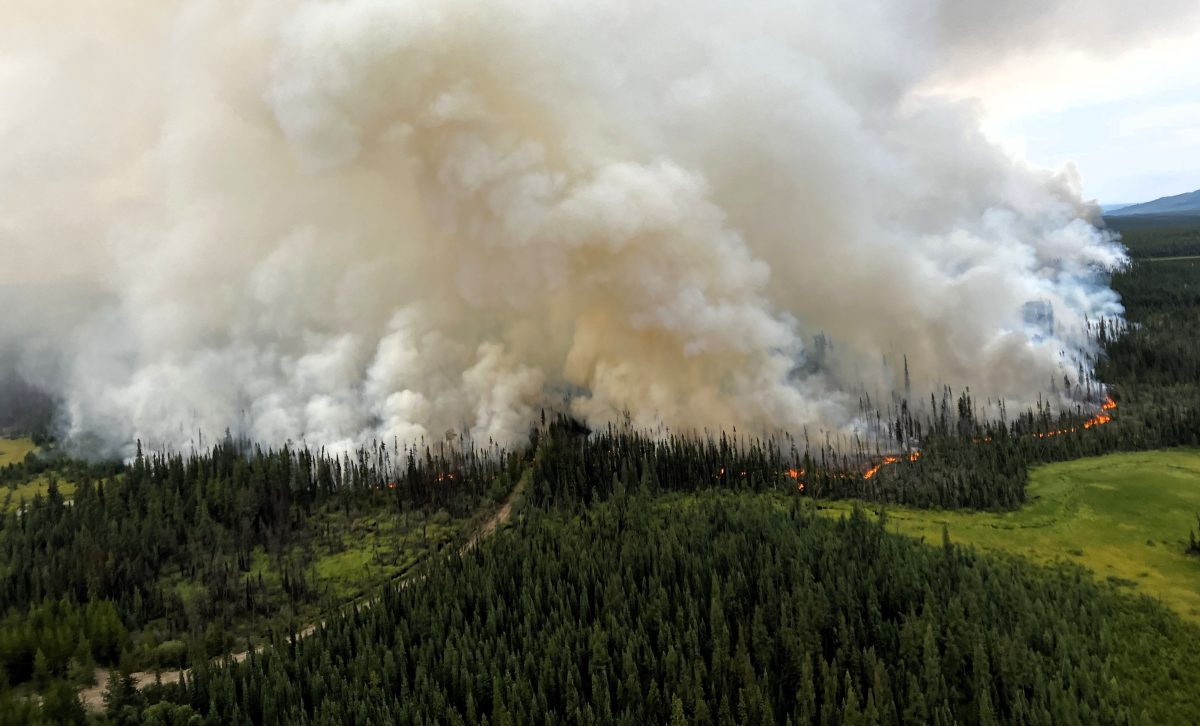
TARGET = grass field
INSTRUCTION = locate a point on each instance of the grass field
(1124, 516)
(14, 450)
(375, 549)
(11, 495)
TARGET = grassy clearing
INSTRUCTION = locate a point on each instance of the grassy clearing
(1126, 517)
(15, 450)
(372, 550)
(350, 556)
(11, 495)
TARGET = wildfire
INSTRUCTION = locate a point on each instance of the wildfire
(1101, 418)
(1098, 420)
(889, 460)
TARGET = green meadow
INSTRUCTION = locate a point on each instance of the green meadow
(1126, 517)
(11, 495)
(14, 450)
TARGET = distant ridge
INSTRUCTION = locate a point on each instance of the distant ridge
(1181, 204)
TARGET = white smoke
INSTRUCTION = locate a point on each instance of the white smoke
(334, 221)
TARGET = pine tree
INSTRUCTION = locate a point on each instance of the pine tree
(60, 705)
(677, 716)
(41, 670)
(83, 666)
(122, 699)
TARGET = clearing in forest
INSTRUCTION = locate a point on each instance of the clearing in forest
(1126, 517)
(14, 450)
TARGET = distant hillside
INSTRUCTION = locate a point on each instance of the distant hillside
(1182, 204)
(1184, 221)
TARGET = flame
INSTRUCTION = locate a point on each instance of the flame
(1098, 420)
(889, 460)
(391, 485)
(1102, 418)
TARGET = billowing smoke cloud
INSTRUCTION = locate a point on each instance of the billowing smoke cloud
(332, 221)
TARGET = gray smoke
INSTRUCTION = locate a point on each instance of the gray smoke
(333, 221)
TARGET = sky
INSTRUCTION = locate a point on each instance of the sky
(1129, 122)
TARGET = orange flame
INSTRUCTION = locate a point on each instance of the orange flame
(889, 460)
(1098, 420)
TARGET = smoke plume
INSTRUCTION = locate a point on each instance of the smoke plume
(336, 221)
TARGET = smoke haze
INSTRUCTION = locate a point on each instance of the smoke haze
(336, 221)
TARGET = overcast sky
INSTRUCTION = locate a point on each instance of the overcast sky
(1129, 122)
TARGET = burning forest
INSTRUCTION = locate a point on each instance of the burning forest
(333, 223)
(612, 362)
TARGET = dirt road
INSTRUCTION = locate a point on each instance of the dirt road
(93, 696)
